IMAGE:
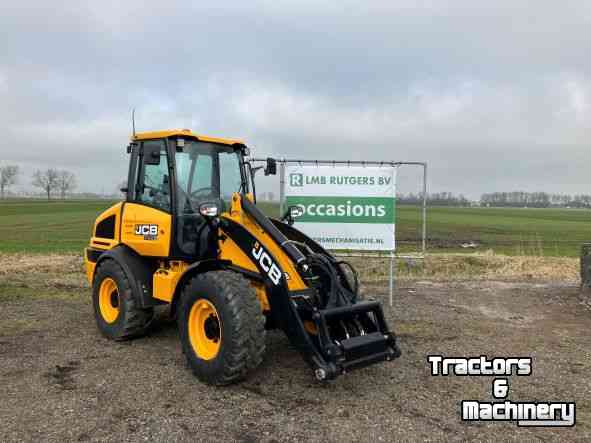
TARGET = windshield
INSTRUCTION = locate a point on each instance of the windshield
(206, 172)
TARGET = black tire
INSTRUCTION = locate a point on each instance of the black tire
(131, 321)
(239, 318)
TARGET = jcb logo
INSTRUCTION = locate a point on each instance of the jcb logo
(149, 232)
(266, 263)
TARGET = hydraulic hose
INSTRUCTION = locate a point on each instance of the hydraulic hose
(336, 295)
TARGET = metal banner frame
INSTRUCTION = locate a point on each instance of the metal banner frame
(392, 255)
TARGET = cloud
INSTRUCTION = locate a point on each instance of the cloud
(495, 96)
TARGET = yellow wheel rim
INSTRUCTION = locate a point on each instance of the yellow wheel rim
(109, 300)
(205, 329)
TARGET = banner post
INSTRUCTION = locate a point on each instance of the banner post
(392, 261)
(281, 188)
(424, 215)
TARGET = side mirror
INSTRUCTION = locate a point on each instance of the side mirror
(295, 212)
(209, 209)
(292, 213)
(271, 168)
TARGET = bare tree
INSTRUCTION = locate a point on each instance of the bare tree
(8, 176)
(46, 180)
(66, 182)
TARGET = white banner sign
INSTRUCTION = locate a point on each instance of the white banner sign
(344, 207)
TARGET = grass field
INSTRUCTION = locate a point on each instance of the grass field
(511, 231)
(55, 226)
(64, 226)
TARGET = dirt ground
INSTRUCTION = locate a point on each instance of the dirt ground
(61, 381)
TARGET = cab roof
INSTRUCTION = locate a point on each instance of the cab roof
(184, 133)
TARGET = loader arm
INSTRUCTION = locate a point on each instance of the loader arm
(333, 337)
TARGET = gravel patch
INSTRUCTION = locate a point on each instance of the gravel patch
(61, 381)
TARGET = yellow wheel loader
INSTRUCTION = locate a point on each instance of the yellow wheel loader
(189, 234)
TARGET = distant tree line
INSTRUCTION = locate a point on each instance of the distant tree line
(53, 181)
(435, 199)
(50, 181)
(517, 199)
(521, 199)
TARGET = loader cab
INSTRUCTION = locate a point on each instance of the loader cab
(178, 172)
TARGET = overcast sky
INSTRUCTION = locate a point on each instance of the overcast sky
(493, 95)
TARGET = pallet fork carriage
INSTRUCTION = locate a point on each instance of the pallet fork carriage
(189, 234)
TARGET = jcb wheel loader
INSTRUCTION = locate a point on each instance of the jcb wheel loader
(190, 235)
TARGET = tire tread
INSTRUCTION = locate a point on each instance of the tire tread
(136, 320)
(247, 348)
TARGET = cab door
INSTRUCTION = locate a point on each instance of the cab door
(147, 220)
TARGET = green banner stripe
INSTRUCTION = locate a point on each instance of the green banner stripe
(345, 209)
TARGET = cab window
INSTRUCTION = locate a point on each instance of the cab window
(230, 175)
(153, 186)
